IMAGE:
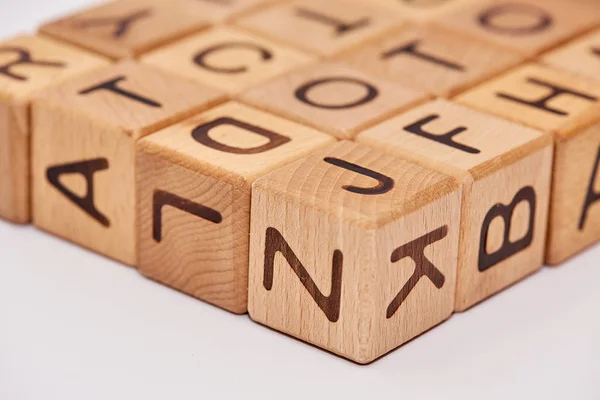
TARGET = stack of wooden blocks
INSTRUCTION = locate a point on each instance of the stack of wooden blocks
(349, 172)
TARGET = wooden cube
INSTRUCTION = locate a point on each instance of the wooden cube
(84, 134)
(128, 28)
(437, 61)
(28, 64)
(506, 172)
(568, 107)
(227, 58)
(353, 250)
(321, 27)
(334, 98)
(193, 189)
(526, 26)
(581, 56)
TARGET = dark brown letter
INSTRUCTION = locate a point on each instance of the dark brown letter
(542, 103)
(201, 135)
(24, 58)
(121, 24)
(591, 196)
(302, 93)
(385, 183)
(200, 58)
(487, 19)
(111, 86)
(162, 198)
(274, 243)
(423, 267)
(446, 138)
(411, 48)
(508, 248)
(341, 27)
(87, 169)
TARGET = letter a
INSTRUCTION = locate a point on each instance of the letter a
(87, 169)
(591, 196)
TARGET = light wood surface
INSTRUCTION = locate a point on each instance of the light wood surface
(337, 258)
(205, 252)
(581, 56)
(128, 28)
(334, 98)
(220, 11)
(422, 11)
(525, 26)
(432, 60)
(494, 159)
(83, 150)
(28, 64)
(321, 27)
(228, 59)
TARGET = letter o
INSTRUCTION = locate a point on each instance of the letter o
(302, 93)
(486, 19)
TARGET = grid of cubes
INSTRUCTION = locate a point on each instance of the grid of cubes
(349, 172)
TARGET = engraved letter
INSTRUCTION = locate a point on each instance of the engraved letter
(411, 48)
(591, 196)
(543, 21)
(122, 24)
(384, 185)
(341, 27)
(24, 58)
(87, 169)
(508, 248)
(446, 138)
(423, 267)
(201, 135)
(111, 85)
(302, 93)
(542, 103)
(274, 243)
(162, 198)
(200, 58)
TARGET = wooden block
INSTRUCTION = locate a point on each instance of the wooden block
(334, 98)
(128, 28)
(321, 27)
(28, 64)
(193, 188)
(575, 214)
(526, 26)
(581, 57)
(436, 61)
(565, 105)
(228, 59)
(423, 11)
(353, 250)
(84, 134)
(505, 169)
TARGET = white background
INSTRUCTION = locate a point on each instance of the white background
(74, 325)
